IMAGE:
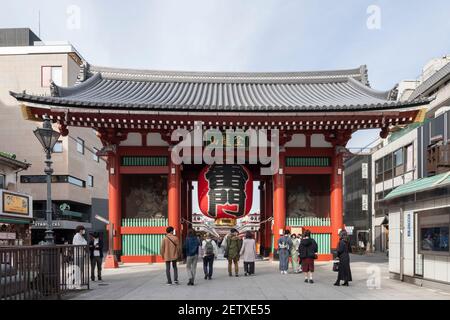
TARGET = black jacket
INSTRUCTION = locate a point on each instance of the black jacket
(99, 247)
(307, 248)
(343, 252)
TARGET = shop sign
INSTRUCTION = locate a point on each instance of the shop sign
(365, 171)
(15, 204)
(408, 224)
(44, 224)
(365, 202)
(349, 230)
(7, 235)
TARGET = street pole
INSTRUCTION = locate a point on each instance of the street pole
(49, 171)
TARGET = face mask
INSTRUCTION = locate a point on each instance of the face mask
(83, 231)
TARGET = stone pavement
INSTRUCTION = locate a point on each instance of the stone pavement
(147, 281)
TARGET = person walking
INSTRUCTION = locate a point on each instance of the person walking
(96, 255)
(343, 254)
(79, 261)
(192, 245)
(284, 247)
(248, 252)
(170, 251)
(294, 253)
(210, 251)
(308, 252)
(233, 248)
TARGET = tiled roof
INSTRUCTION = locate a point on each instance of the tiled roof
(10, 160)
(419, 185)
(106, 88)
(431, 81)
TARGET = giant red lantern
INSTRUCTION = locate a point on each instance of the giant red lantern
(225, 191)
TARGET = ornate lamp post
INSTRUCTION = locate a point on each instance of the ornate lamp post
(48, 137)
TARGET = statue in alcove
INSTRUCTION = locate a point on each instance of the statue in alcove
(300, 203)
(149, 200)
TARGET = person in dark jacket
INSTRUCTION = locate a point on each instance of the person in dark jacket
(307, 253)
(343, 254)
(96, 254)
(192, 245)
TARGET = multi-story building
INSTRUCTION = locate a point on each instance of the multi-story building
(403, 156)
(357, 200)
(79, 186)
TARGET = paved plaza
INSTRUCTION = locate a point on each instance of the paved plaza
(147, 281)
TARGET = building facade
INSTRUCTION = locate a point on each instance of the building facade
(403, 156)
(16, 208)
(358, 200)
(80, 181)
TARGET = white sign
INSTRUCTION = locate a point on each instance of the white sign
(349, 230)
(365, 202)
(365, 170)
(408, 224)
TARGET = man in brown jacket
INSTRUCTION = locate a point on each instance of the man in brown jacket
(170, 251)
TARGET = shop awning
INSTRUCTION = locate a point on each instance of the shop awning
(4, 219)
(420, 185)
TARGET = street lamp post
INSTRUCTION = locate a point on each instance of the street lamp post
(48, 137)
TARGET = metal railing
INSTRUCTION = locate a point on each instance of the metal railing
(42, 272)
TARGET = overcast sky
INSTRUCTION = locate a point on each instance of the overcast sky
(247, 35)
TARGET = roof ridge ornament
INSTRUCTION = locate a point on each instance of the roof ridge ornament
(54, 89)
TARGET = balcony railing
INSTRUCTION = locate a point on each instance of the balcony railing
(438, 160)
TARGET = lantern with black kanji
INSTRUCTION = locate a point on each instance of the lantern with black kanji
(225, 192)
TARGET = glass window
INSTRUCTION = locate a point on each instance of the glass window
(58, 148)
(434, 239)
(49, 74)
(398, 162)
(76, 181)
(409, 158)
(2, 181)
(387, 162)
(94, 154)
(80, 145)
(90, 181)
(379, 170)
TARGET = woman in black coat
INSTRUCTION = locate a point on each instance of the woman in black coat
(343, 253)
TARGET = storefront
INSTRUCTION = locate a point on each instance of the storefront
(419, 223)
(15, 217)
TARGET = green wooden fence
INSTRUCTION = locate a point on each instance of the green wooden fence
(323, 242)
(141, 244)
(308, 222)
(144, 222)
(308, 161)
(136, 161)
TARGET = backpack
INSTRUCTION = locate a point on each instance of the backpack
(209, 248)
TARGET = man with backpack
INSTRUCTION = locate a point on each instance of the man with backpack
(209, 248)
(284, 246)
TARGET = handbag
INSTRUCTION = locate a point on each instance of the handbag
(336, 265)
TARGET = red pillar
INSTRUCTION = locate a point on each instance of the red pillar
(269, 213)
(336, 200)
(173, 201)
(279, 201)
(114, 205)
